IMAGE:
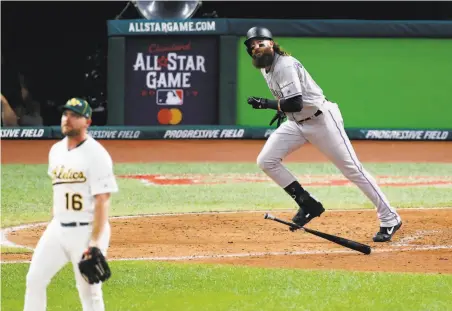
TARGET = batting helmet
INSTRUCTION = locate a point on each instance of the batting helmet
(258, 33)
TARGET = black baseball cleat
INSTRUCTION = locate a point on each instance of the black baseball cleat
(309, 209)
(385, 234)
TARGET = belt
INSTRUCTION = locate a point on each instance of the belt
(75, 224)
(318, 113)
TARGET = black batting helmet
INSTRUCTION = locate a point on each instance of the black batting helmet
(258, 33)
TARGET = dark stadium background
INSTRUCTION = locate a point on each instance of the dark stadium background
(60, 46)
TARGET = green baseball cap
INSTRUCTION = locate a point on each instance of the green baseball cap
(79, 106)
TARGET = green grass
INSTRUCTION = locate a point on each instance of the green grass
(167, 286)
(14, 250)
(27, 197)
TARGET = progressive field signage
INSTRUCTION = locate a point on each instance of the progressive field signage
(212, 132)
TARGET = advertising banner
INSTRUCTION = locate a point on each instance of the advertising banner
(26, 133)
(284, 28)
(378, 83)
(167, 27)
(203, 132)
(171, 80)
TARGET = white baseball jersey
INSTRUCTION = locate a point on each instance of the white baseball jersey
(288, 78)
(77, 176)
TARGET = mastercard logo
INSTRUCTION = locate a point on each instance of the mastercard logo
(169, 116)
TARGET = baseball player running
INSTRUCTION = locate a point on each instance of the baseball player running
(79, 232)
(310, 118)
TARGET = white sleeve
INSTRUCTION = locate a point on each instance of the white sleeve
(289, 80)
(49, 165)
(102, 177)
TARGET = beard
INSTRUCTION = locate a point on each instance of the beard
(70, 132)
(263, 58)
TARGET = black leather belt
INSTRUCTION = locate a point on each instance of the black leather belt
(318, 113)
(75, 224)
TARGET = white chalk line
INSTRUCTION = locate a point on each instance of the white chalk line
(402, 243)
(416, 236)
(261, 254)
(4, 232)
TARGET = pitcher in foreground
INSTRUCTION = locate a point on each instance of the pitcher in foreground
(82, 177)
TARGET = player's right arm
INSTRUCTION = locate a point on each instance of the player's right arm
(49, 168)
(51, 165)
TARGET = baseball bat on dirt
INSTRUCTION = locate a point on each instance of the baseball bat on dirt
(362, 248)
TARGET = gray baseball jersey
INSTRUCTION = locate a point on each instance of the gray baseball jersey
(288, 78)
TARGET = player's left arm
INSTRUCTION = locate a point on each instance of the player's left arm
(290, 87)
(103, 183)
(101, 207)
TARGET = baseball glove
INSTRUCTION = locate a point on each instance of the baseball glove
(280, 116)
(93, 266)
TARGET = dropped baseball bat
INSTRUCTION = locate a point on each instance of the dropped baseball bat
(362, 248)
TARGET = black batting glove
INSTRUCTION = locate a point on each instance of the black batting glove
(258, 102)
(279, 116)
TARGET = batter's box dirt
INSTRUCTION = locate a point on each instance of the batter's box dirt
(308, 180)
(422, 245)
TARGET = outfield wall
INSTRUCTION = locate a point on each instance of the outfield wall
(383, 74)
(377, 82)
(211, 132)
(190, 79)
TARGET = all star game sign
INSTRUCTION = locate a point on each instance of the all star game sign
(171, 80)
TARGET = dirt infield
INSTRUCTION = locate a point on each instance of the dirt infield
(422, 245)
(246, 238)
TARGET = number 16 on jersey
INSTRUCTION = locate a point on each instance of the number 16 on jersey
(74, 201)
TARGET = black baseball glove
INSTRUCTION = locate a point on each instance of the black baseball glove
(93, 266)
(280, 117)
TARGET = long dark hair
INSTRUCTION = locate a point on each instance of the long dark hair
(279, 50)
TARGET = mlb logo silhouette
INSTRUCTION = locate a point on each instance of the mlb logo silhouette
(170, 97)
